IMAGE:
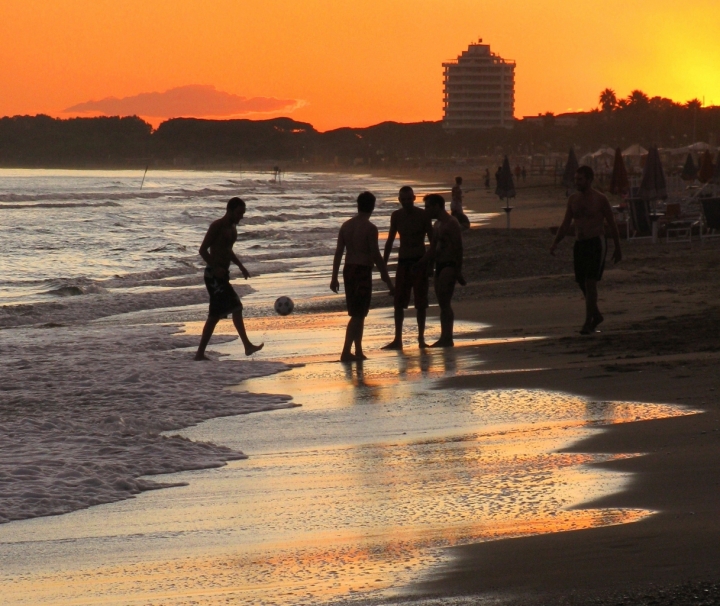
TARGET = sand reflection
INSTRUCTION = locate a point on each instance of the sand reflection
(350, 496)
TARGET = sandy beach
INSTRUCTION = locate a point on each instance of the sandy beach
(660, 342)
(419, 416)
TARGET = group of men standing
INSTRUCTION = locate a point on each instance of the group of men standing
(441, 257)
(358, 242)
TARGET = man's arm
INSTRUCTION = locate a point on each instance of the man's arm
(610, 218)
(209, 238)
(429, 256)
(563, 228)
(234, 258)
(390, 239)
(377, 257)
(339, 250)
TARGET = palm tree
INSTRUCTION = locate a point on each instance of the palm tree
(608, 100)
(637, 98)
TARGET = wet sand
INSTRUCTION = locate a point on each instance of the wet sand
(660, 342)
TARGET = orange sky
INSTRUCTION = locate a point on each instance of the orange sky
(352, 63)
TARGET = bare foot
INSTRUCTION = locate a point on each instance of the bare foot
(251, 349)
(422, 344)
(360, 355)
(200, 357)
(348, 357)
(444, 343)
(393, 345)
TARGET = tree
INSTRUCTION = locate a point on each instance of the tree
(693, 104)
(608, 100)
(637, 98)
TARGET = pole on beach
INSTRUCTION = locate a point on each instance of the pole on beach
(143, 179)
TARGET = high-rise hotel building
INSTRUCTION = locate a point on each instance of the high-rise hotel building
(479, 90)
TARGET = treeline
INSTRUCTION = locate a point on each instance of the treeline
(35, 141)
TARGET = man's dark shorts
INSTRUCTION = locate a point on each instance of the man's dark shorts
(358, 289)
(410, 277)
(589, 259)
(223, 298)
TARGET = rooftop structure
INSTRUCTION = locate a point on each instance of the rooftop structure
(479, 90)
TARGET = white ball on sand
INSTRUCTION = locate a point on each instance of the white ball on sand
(284, 306)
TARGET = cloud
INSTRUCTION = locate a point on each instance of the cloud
(195, 100)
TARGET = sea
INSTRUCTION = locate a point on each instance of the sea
(132, 475)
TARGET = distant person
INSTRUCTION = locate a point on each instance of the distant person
(446, 250)
(217, 251)
(413, 224)
(590, 210)
(456, 205)
(498, 172)
(518, 173)
(487, 178)
(360, 238)
(524, 173)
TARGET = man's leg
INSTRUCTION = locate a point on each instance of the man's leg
(351, 333)
(360, 328)
(421, 316)
(396, 343)
(444, 287)
(207, 332)
(593, 317)
(240, 327)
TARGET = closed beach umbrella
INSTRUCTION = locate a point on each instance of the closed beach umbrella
(506, 186)
(705, 174)
(571, 167)
(689, 171)
(619, 182)
(653, 185)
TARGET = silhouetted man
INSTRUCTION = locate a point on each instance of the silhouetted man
(456, 204)
(590, 210)
(413, 224)
(446, 250)
(217, 251)
(360, 238)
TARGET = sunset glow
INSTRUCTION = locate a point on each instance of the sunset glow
(349, 63)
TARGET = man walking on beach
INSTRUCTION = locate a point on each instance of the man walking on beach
(360, 237)
(217, 251)
(590, 210)
(456, 204)
(446, 250)
(413, 224)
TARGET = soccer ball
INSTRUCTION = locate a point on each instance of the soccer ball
(284, 306)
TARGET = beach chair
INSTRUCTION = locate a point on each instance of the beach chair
(710, 226)
(639, 226)
(678, 227)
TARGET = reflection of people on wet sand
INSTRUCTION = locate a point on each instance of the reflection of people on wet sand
(360, 237)
(456, 207)
(590, 210)
(413, 224)
(446, 249)
(217, 251)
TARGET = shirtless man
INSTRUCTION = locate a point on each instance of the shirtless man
(590, 210)
(456, 207)
(413, 225)
(446, 249)
(360, 237)
(217, 251)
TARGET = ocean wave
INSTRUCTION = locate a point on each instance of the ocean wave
(58, 205)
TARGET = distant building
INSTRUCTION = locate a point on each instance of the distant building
(479, 90)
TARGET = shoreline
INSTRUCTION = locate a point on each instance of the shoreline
(660, 343)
